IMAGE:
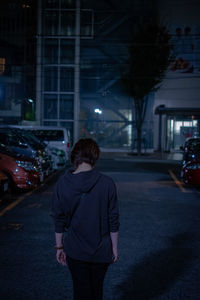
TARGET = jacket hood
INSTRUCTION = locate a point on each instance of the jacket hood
(82, 182)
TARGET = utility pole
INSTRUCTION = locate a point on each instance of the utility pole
(77, 73)
(38, 64)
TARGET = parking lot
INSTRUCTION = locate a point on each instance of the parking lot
(159, 239)
(29, 155)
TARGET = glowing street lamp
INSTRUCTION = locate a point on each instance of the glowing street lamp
(98, 111)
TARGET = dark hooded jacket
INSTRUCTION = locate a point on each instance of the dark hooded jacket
(87, 204)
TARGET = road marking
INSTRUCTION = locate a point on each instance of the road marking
(13, 204)
(177, 181)
(12, 226)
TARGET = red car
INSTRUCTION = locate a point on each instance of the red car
(22, 172)
(191, 172)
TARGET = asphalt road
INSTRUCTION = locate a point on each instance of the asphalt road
(159, 244)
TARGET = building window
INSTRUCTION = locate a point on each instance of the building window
(51, 23)
(67, 51)
(51, 51)
(66, 79)
(68, 3)
(68, 23)
(50, 106)
(50, 79)
(89, 80)
(51, 3)
(86, 23)
(50, 123)
(66, 106)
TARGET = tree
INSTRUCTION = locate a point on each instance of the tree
(149, 58)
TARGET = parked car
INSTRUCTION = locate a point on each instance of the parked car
(22, 172)
(191, 153)
(25, 144)
(58, 157)
(3, 183)
(191, 150)
(53, 137)
(40, 147)
(191, 172)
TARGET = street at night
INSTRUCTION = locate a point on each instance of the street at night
(79, 78)
(159, 250)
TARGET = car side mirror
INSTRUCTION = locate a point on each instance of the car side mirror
(181, 148)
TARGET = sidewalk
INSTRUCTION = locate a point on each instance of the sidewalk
(175, 157)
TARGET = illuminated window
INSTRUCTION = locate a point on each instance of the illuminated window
(187, 124)
(2, 65)
(194, 122)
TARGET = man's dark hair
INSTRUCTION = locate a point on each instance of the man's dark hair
(85, 150)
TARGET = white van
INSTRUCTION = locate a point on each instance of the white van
(58, 137)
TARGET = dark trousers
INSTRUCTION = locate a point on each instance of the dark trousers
(87, 279)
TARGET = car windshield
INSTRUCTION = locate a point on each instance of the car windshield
(5, 150)
(48, 134)
(8, 137)
(31, 138)
(19, 138)
(193, 141)
(194, 147)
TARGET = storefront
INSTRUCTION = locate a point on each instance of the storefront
(176, 125)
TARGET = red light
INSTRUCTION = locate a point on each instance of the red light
(67, 145)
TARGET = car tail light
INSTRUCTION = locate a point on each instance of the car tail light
(194, 166)
(67, 145)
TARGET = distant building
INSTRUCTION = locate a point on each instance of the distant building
(81, 46)
(69, 64)
(17, 59)
(10, 84)
(177, 103)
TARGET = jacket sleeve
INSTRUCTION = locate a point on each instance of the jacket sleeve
(113, 210)
(57, 211)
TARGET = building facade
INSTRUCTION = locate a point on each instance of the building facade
(17, 60)
(81, 46)
(177, 103)
(68, 66)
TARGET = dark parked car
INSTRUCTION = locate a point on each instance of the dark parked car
(56, 140)
(44, 137)
(191, 172)
(191, 150)
(22, 172)
(24, 144)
